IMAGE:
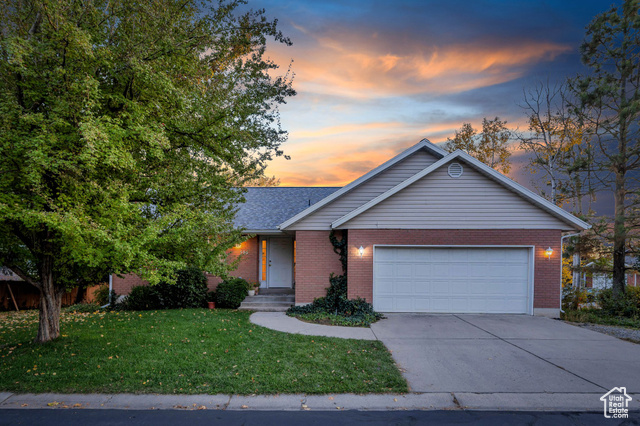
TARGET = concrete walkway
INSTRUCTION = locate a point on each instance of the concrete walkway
(279, 321)
(300, 402)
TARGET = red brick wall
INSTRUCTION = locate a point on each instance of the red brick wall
(123, 286)
(546, 274)
(315, 261)
(248, 266)
(247, 269)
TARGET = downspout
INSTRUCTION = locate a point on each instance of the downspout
(561, 262)
(110, 291)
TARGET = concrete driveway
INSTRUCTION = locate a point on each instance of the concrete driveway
(506, 354)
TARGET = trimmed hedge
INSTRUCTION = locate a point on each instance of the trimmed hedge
(230, 293)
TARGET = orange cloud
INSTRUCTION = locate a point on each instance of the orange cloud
(362, 68)
(342, 77)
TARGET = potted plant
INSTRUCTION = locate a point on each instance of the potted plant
(252, 288)
(211, 300)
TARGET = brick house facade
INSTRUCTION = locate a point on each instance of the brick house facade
(424, 200)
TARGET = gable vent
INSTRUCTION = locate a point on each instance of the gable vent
(455, 170)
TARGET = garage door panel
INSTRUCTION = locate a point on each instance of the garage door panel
(440, 270)
(404, 288)
(455, 280)
(404, 270)
(384, 270)
(438, 287)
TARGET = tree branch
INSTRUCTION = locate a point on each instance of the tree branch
(19, 272)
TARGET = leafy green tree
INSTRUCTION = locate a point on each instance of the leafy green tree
(491, 146)
(124, 127)
(609, 104)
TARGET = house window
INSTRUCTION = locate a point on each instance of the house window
(264, 261)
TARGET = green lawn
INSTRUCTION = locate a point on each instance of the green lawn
(596, 316)
(185, 351)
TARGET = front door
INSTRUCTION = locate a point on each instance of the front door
(280, 262)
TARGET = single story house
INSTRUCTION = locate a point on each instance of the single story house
(427, 231)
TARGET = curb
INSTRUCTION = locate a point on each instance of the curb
(587, 402)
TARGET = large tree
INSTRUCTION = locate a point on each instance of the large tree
(124, 126)
(556, 143)
(491, 146)
(609, 104)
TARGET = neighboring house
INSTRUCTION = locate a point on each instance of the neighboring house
(428, 231)
(595, 278)
(16, 293)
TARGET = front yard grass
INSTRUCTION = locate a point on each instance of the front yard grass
(185, 351)
(596, 316)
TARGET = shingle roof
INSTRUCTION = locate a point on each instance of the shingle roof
(266, 208)
(7, 274)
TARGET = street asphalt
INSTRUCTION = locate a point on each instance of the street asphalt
(229, 418)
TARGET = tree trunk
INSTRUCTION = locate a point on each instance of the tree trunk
(81, 294)
(619, 237)
(50, 304)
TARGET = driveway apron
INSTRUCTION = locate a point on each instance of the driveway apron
(506, 353)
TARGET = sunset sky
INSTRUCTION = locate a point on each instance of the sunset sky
(375, 77)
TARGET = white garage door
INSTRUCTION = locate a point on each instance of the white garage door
(451, 280)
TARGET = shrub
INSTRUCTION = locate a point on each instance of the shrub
(340, 320)
(102, 295)
(82, 308)
(142, 298)
(355, 312)
(572, 298)
(230, 293)
(189, 290)
(627, 305)
(211, 296)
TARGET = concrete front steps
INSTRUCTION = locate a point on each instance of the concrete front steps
(278, 302)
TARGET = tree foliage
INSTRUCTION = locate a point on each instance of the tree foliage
(558, 145)
(263, 181)
(124, 127)
(491, 146)
(608, 103)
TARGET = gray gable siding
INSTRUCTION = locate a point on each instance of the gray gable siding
(266, 208)
(322, 218)
(438, 201)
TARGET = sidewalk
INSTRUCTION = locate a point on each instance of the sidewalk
(279, 321)
(299, 402)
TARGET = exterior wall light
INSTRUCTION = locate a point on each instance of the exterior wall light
(238, 245)
(361, 251)
(548, 252)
